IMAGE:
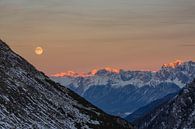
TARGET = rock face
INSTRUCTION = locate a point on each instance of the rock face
(120, 92)
(29, 99)
(178, 113)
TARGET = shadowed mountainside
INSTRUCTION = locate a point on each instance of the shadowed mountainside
(29, 99)
(178, 113)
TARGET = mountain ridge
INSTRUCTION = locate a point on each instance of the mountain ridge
(137, 78)
(177, 113)
(107, 89)
(115, 70)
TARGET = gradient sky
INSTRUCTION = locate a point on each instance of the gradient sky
(84, 34)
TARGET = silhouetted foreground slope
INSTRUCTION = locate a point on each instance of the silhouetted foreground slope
(178, 113)
(29, 99)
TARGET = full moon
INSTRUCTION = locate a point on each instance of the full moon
(39, 50)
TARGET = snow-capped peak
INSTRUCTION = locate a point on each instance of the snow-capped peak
(178, 72)
(71, 74)
(91, 73)
(173, 64)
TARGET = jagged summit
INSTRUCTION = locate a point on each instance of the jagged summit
(70, 74)
(112, 70)
(29, 99)
(106, 69)
(91, 73)
(173, 64)
(178, 72)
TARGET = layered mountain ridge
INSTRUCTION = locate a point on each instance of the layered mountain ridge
(119, 77)
(110, 70)
(83, 74)
(131, 89)
(29, 99)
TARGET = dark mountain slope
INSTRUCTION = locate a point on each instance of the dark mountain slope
(141, 112)
(179, 113)
(29, 99)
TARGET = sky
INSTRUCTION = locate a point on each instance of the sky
(81, 35)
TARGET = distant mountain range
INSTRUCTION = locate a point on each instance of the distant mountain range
(178, 113)
(30, 100)
(119, 92)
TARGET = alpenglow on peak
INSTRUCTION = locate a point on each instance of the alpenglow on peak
(173, 64)
(83, 74)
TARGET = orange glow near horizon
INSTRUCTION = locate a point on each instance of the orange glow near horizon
(109, 69)
(70, 74)
(82, 74)
(82, 35)
(113, 70)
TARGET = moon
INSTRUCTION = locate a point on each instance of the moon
(39, 50)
